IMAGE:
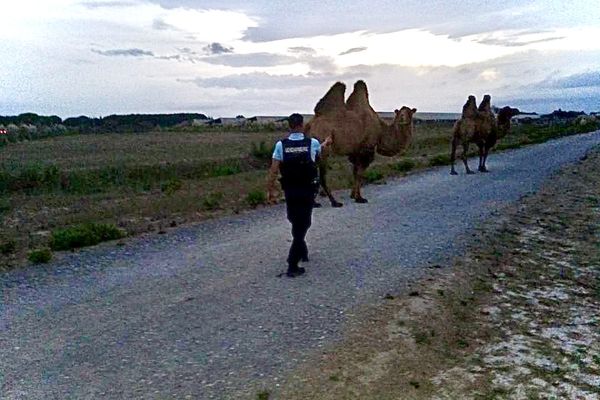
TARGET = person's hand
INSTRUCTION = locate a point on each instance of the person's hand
(327, 141)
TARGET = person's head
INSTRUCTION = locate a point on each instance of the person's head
(296, 121)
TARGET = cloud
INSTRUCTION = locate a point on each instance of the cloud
(302, 49)
(515, 42)
(125, 52)
(160, 25)
(262, 80)
(101, 4)
(250, 60)
(217, 48)
(582, 80)
(353, 50)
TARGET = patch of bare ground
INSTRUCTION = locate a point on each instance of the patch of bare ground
(516, 317)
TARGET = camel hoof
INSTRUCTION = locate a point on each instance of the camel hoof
(453, 173)
(336, 204)
(483, 169)
(470, 173)
(361, 200)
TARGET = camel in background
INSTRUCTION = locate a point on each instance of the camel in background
(479, 126)
(464, 133)
(357, 132)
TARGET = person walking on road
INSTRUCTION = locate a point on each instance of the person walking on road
(295, 158)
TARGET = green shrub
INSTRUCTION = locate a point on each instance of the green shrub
(256, 197)
(404, 165)
(261, 151)
(440, 159)
(4, 205)
(83, 235)
(373, 175)
(263, 395)
(212, 201)
(7, 247)
(40, 256)
(225, 170)
(171, 186)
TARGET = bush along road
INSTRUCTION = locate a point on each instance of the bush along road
(200, 313)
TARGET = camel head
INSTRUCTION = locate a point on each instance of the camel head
(486, 103)
(470, 108)
(404, 116)
(396, 138)
(506, 113)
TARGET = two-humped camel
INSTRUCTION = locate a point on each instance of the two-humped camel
(357, 132)
(479, 125)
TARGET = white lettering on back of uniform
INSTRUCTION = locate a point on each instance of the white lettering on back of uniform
(296, 150)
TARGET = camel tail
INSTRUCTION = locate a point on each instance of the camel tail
(332, 101)
(359, 96)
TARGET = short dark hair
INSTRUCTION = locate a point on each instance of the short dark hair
(295, 120)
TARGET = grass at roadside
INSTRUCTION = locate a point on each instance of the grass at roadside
(146, 182)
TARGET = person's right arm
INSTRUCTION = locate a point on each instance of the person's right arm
(273, 173)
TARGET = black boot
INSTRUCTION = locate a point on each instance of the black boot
(294, 271)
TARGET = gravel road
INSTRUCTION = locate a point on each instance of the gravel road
(199, 312)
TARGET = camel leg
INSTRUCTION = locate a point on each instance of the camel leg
(481, 167)
(354, 180)
(323, 181)
(453, 156)
(464, 157)
(361, 163)
(358, 177)
(485, 156)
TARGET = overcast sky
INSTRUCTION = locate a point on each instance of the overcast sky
(270, 57)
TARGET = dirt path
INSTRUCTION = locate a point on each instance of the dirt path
(199, 312)
(517, 317)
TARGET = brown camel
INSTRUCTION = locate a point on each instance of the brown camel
(482, 127)
(501, 129)
(486, 127)
(464, 133)
(356, 131)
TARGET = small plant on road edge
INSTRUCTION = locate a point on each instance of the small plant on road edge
(83, 235)
(40, 256)
(264, 395)
(256, 197)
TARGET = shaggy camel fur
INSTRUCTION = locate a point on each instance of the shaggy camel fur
(464, 132)
(476, 125)
(482, 127)
(357, 132)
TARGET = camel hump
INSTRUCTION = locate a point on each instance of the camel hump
(470, 108)
(333, 100)
(359, 97)
(485, 104)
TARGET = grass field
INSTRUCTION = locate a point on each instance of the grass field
(152, 181)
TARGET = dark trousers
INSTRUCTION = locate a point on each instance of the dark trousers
(299, 212)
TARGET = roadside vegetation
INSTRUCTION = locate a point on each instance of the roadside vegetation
(144, 182)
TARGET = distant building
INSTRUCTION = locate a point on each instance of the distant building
(239, 121)
(424, 116)
(265, 119)
(525, 118)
